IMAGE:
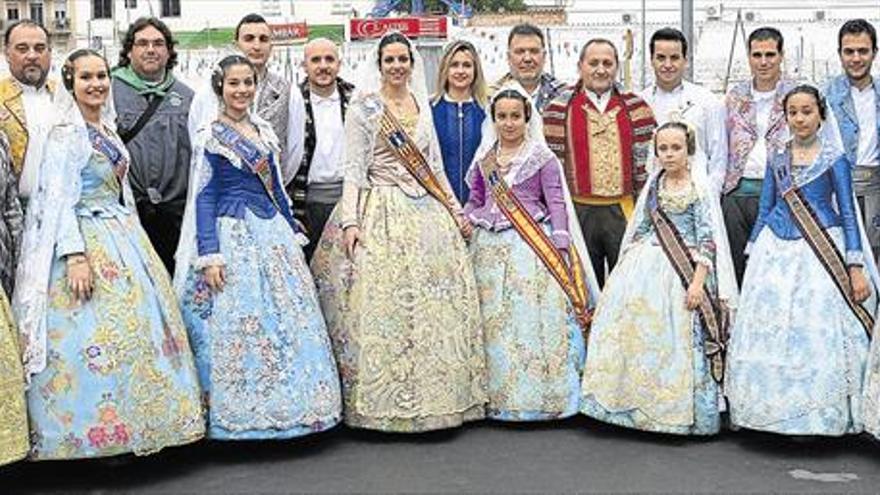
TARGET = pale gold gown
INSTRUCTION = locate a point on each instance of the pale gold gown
(13, 416)
(404, 316)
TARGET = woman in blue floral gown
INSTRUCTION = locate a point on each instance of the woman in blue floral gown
(249, 302)
(106, 351)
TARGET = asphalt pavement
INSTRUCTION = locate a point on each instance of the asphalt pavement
(573, 456)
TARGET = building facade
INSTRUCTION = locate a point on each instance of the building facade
(55, 15)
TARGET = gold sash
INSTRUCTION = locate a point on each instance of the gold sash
(412, 159)
(570, 277)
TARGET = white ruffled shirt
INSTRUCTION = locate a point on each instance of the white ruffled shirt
(38, 111)
(697, 106)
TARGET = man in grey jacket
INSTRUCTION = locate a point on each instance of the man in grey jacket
(152, 107)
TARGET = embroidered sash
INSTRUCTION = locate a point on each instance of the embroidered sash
(250, 154)
(819, 240)
(712, 315)
(570, 277)
(104, 145)
(412, 159)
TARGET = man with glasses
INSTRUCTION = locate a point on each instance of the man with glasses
(26, 100)
(525, 58)
(152, 107)
(854, 97)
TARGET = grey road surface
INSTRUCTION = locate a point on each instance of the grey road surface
(574, 456)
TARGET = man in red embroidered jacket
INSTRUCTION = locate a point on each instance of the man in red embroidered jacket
(602, 136)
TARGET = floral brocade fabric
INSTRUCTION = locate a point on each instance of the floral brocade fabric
(646, 367)
(261, 345)
(534, 345)
(120, 376)
(404, 316)
(13, 417)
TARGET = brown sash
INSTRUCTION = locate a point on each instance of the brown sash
(570, 277)
(820, 242)
(713, 317)
(412, 159)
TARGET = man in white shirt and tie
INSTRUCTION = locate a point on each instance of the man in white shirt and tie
(317, 184)
(674, 99)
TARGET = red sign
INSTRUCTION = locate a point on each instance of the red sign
(289, 33)
(412, 27)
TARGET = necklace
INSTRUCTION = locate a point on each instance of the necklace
(505, 157)
(396, 102)
(235, 120)
(803, 151)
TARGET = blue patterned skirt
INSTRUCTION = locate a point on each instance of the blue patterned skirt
(797, 353)
(119, 376)
(534, 346)
(261, 345)
(646, 367)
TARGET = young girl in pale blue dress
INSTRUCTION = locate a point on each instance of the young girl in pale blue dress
(647, 364)
(798, 350)
(248, 298)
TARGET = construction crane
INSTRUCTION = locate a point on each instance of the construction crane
(456, 8)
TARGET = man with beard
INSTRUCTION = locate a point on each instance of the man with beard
(26, 100)
(152, 107)
(854, 97)
(317, 185)
(526, 52)
(602, 136)
(277, 100)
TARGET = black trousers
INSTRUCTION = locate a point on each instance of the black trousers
(740, 215)
(316, 218)
(162, 224)
(603, 228)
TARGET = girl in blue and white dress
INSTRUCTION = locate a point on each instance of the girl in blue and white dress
(647, 366)
(106, 350)
(797, 351)
(249, 302)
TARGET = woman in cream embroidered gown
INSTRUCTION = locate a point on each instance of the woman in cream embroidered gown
(106, 351)
(13, 416)
(397, 288)
(646, 367)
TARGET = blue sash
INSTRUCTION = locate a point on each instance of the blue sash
(104, 145)
(250, 154)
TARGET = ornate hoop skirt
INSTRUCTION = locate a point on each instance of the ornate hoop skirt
(119, 376)
(646, 368)
(13, 415)
(797, 353)
(261, 345)
(534, 345)
(404, 316)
